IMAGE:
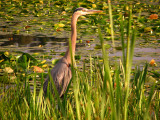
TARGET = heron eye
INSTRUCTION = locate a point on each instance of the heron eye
(84, 10)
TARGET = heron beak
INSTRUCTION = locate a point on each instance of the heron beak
(94, 11)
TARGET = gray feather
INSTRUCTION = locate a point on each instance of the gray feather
(61, 75)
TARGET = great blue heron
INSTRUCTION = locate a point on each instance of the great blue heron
(61, 73)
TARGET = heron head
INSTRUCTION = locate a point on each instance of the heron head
(84, 11)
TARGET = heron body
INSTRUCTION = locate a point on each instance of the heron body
(61, 73)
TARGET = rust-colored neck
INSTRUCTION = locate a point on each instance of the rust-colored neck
(73, 38)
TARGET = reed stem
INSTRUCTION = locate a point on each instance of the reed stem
(128, 64)
(111, 25)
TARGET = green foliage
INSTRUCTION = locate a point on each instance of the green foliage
(98, 90)
(89, 97)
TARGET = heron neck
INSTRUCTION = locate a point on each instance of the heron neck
(73, 38)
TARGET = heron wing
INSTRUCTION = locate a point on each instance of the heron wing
(63, 78)
(61, 75)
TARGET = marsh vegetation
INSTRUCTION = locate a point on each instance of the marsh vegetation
(109, 82)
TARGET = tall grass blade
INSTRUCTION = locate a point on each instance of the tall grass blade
(76, 90)
(102, 107)
(151, 96)
(88, 109)
(101, 71)
(111, 24)
(34, 96)
(132, 45)
(128, 65)
(91, 70)
(118, 94)
(71, 114)
(75, 83)
(108, 84)
(122, 40)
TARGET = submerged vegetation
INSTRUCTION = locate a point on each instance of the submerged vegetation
(101, 89)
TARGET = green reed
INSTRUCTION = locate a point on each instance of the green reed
(108, 83)
(111, 23)
(129, 57)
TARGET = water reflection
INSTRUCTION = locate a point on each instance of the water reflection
(31, 44)
(29, 41)
(16, 39)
